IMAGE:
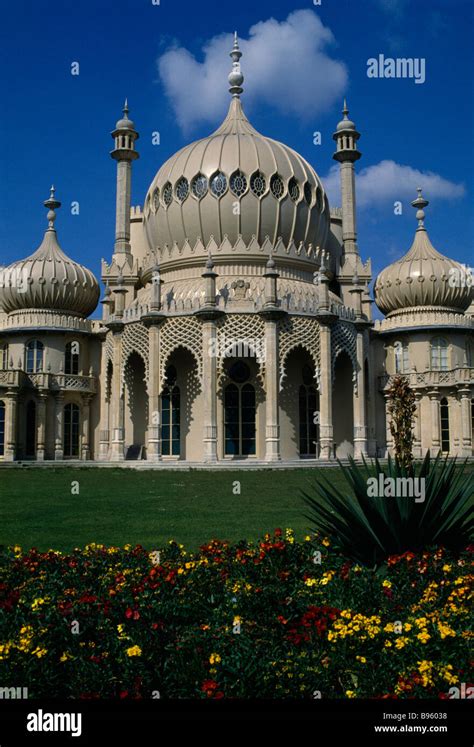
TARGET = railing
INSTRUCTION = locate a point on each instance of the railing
(43, 318)
(456, 376)
(16, 379)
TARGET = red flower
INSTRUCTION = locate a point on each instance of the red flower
(209, 687)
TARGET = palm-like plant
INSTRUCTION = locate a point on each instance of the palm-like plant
(369, 529)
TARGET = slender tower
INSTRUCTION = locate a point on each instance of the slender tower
(124, 153)
(346, 137)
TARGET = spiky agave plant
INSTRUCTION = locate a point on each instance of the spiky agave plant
(368, 529)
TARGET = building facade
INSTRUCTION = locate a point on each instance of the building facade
(237, 319)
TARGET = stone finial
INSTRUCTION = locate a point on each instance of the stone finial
(236, 78)
(420, 203)
(52, 204)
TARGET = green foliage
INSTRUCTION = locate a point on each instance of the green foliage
(369, 529)
(401, 409)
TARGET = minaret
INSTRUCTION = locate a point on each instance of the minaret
(346, 137)
(124, 153)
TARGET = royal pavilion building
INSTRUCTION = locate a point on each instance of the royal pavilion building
(236, 320)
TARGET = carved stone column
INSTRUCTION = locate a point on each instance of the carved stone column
(11, 425)
(104, 429)
(85, 447)
(41, 426)
(117, 446)
(417, 448)
(154, 425)
(58, 426)
(272, 426)
(388, 432)
(326, 433)
(466, 422)
(435, 421)
(209, 375)
(360, 421)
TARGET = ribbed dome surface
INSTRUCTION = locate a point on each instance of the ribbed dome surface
(236, 182)
(48, 279)
(423, 277)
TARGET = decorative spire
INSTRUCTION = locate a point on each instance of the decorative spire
(209, 263)
(345, 110)
(236, 78)
(52, 205)
(125, 109)
(420, 203)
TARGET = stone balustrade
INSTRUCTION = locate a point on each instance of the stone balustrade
(455, 377)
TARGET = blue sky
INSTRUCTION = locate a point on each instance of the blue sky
(172, 62)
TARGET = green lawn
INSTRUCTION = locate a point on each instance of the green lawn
(119, 506)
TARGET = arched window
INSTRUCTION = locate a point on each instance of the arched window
(34, 356)
(3, 355)
(308, 410)
(239, 419)
(71, 358)
(444, 417)
(2, 427)
(171, 415)
(71, 431)
(469, 354)
(30, 430)
(400, 350)
(439, 354)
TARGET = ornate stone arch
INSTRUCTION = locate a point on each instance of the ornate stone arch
(234, 329)
(134, 340)
(344, 338)
(299, 332)
(180, 332)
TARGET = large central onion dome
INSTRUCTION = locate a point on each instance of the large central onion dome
(423, 277)
(49, 279)
(236, 182)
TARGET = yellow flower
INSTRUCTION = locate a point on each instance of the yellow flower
(39, 652)
(311, 581)
(134, 651)
(424, 636)
(387, 584)
(446, 568)
(401, 642)
(37, 603)
(388, 644)
(307, 538)
(65, 656)
(407, 627)
(445, 630)
(326, 542)
(362, 659)
(350, 693)
(214, 659)
(180, 571)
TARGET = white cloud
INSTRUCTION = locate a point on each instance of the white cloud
(286, 66)
(388, 181)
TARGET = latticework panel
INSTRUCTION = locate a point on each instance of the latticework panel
(299, 332)
(180, 332)
(109, 346)
(240, 335)
(134, 340)
(343, 338)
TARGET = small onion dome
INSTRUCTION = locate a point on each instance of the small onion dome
(48, 279)
(125, 123)
(346, 123)
(423, 277)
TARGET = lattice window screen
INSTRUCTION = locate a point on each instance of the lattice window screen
(298, 332)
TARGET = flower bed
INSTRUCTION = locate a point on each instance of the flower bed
(272, 619)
